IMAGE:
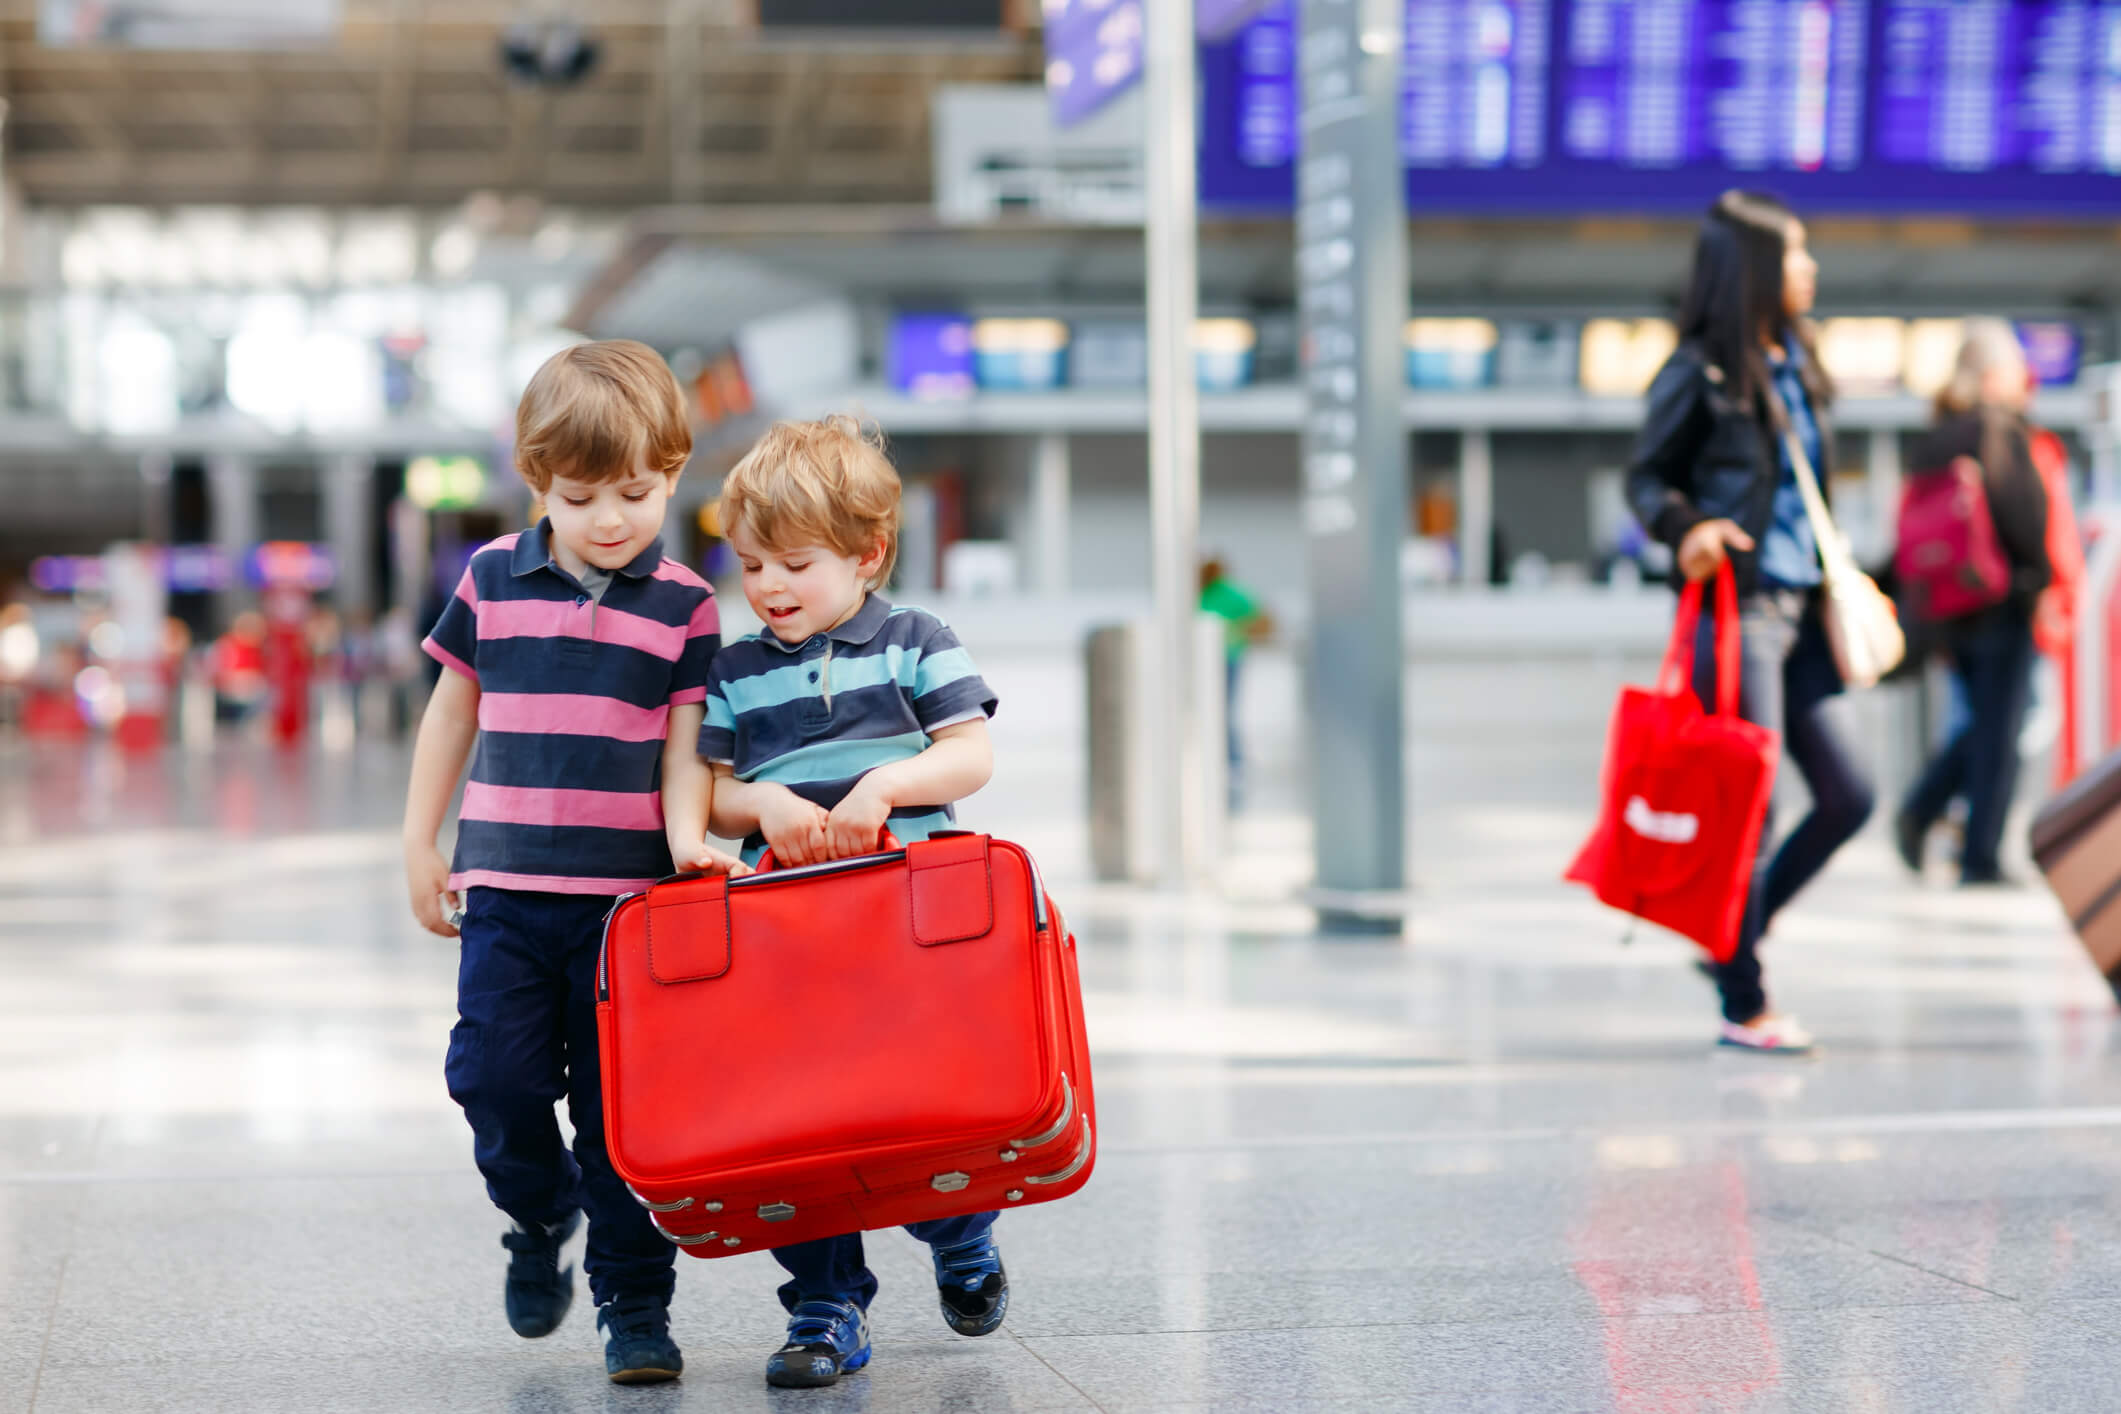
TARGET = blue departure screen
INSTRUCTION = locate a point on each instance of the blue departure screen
(1945, 106)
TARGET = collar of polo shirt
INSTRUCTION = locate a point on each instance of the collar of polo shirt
(533, 552)
(856, 631)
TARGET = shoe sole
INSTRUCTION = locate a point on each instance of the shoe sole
(1793, 1051)
(795, 1379)
(649, 1376)
(986, 1325)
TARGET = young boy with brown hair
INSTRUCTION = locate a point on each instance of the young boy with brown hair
(843, 718)
(577, 657)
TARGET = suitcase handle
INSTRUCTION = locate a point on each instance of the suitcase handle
(886, 844)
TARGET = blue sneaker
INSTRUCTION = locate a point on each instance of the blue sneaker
(826, 1339)
(973, 1287)
(638, 1349)
(538, 1292)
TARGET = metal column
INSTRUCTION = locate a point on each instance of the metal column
(157, 469)
(1476, 506)
(1885, 476)
(233, 510)
(1180, 836)
(349, 519)
(1051, 472)
(1352, 297)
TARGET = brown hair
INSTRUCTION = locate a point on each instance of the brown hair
(600, 412)
(826, 482)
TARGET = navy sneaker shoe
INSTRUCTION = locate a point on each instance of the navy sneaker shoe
(973, 1287)
(638, 1349)
(826, 1339)
(539, 1291)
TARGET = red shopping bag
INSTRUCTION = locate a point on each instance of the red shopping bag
(1685, 792)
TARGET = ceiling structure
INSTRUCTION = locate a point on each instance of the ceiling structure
(738, 153)
(689, 102)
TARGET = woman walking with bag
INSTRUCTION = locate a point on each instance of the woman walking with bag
(1981, 419)
(1731, 466)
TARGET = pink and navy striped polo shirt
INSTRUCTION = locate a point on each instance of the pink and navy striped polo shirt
(575, 695)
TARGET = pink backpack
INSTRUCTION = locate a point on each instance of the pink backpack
(1950, 560)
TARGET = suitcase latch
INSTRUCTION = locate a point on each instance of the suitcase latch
(776, 1212)
(950, 1182)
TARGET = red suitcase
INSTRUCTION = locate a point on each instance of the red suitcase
(855, 1045)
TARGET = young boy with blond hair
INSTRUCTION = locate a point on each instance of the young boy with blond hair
(843, 719)
(577, 659)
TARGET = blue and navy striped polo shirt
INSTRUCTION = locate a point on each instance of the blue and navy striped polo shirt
(575, 692)
(819, 715)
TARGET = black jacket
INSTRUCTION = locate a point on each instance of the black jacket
(2017, 497)
(1704, 455)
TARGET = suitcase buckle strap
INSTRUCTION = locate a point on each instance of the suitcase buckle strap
(952, 884)
(692, 943)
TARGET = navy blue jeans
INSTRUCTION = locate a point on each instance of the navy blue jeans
(526, 1038)
(1788, 682)
(1994, 665)
(834, 1269)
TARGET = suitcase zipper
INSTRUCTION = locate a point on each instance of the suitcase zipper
(604, 948)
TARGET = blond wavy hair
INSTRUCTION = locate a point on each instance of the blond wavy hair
(826, 482)
(601, 412)
(1987, 344)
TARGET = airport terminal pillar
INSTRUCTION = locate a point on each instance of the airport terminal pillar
(1885, 475)
(234, 513)
(1181, 839)
(1351, 268)
(1052, 471)
(157, 516)
(1476, 507)
(349, 524)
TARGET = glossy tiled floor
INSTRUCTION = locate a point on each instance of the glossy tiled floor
(1494, 1167)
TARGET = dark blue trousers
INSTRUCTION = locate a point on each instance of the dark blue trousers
(833, 1268)
(1788, 683)
(1994, 664)
(526, 1038)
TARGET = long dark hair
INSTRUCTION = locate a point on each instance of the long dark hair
(1734, 298)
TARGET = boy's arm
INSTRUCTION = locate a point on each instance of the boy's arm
(688, 787)
(960, 761)
(448, 729)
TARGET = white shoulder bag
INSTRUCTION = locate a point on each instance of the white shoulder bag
(1862, 625)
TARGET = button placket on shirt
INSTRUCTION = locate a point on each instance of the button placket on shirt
(581, 635)
(817, 668)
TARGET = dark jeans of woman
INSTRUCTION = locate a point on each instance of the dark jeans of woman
(1788, 683)
(1994, 663)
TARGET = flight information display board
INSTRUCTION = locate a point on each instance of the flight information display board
(1950, 106)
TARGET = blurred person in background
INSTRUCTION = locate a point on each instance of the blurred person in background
(1712, 479)
(1980, 414)
(359, 666)
(2055, 614)
(239, 668)
(1244, 624)
(19, 650)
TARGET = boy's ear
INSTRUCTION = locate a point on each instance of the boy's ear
(873, 562)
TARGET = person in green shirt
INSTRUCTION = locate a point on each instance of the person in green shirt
(1244, 623)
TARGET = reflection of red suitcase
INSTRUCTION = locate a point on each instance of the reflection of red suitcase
(855, 1045)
